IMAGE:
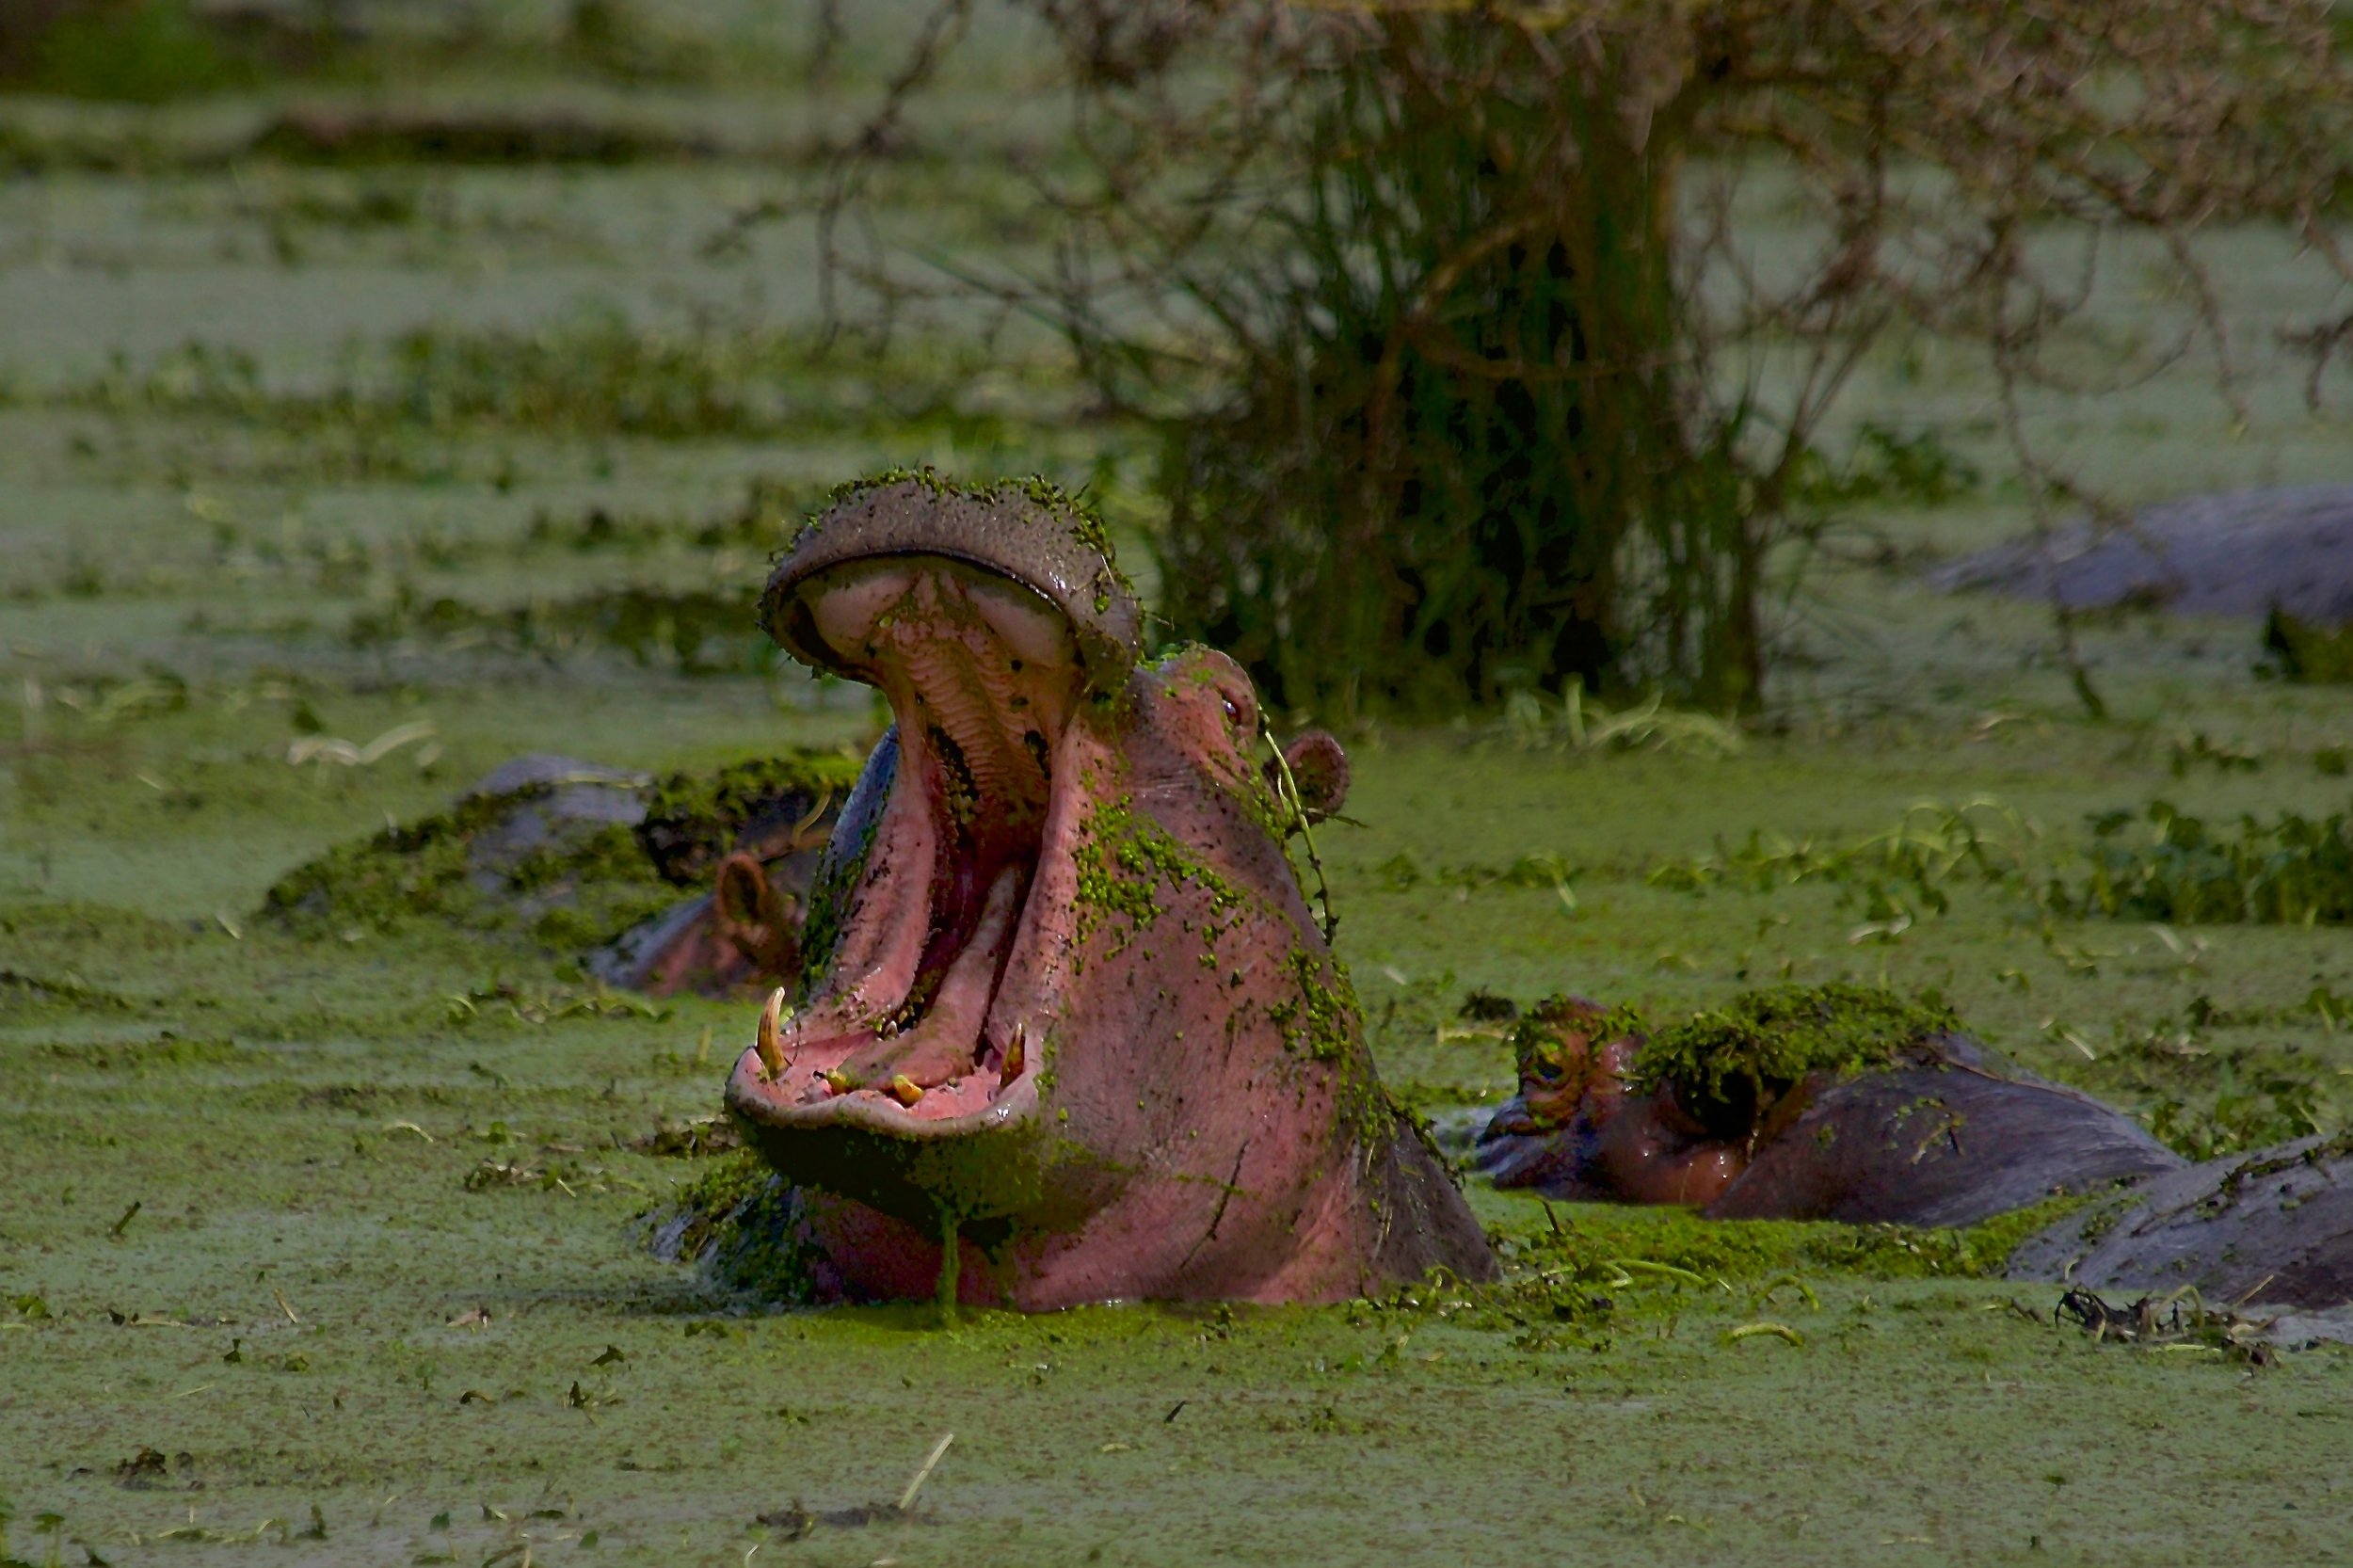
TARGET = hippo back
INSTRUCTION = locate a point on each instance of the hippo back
(1951, 1139)
(2273, 1226)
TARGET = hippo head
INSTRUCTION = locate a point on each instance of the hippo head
(1067, 1027)
(1578, 1129)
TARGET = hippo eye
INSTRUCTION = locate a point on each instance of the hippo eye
(1233, 709)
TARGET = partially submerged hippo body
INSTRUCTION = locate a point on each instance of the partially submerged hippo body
(1067, 1032)
(2246, 553)
(2273, 1226)
(560, 853)
(1938, 1132)
(758, 858)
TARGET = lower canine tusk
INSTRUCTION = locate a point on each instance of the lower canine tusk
(771, 1041)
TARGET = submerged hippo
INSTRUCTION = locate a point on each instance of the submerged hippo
(2272, 1227)
(1067, 1032)
(689, 881)
(752, 834)
(1895, 1118)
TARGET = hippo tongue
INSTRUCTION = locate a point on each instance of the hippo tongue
(942, 1046)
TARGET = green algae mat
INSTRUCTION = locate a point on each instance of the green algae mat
(327, 489)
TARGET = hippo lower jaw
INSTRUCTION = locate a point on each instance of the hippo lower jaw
(948, 1111)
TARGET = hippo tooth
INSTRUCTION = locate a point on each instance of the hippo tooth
(905, 1089)
(771, 1038)
(1012, 1068)
(838, 1080)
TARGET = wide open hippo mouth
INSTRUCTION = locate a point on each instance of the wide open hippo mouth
(983, 674)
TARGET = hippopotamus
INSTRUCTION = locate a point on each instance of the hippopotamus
(1924, 1126)
(702, 873)
(1066, 1030)
(2273, 1226)
(751, 833)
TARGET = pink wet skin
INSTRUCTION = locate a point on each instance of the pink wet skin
(1634, 1148)
(1078, 948)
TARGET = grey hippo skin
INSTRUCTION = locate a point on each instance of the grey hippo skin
(2274, 1226)
(1952, 1142)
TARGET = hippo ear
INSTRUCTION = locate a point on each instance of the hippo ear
(1320, 768)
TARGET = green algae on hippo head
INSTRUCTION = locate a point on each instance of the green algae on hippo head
(1072, 1034)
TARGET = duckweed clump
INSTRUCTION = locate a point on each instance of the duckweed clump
(1601, 1244)
(1776, 1037)
(1322, 1022)
(692, 818)
(742, 1222)
(2292, 871)
(1124, 857)
(494, 864)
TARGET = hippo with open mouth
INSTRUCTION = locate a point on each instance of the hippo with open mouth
(1068, 1031)
(1900, 1119)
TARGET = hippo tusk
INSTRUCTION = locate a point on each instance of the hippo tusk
(771, 1041)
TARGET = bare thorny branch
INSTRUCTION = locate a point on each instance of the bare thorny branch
(1943, 149)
